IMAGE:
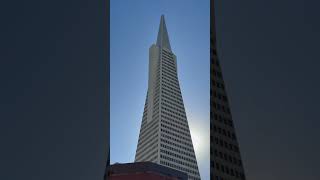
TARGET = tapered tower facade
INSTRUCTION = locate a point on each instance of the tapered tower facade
(225, 159)
(165, 135)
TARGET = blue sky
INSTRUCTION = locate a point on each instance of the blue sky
(134, 28)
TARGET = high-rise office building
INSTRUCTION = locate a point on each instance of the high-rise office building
(225, 159)
(165, 135)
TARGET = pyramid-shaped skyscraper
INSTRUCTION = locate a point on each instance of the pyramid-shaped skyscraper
(165, 135)
(225, 157)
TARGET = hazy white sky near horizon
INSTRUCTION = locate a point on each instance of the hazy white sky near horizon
(134, 28)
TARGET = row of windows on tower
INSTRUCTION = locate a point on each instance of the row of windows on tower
(173, 103)
(170, 72)
(177, 161)
(218, 106)
(225, 144)
(173, 124)
(169, 66)
(166, 53)
(169, 98)
(146, 149)
(175, 121)
(176, 145)
(155, 114)
(224, 132)
(178, 98)
(174, 100)
(215, 68)
(176, 140)
(174, 112)
(227, 170)
(146, 132)
(229, 158)
(222, 119)
(176, 130)
(181, 157)
(156, 105)
(218, 95)
(172, 116)
(146, 127)
(175, 94)
(169, 69)
(172, 89)
(176, 135)
(176, 108)
(166, 56)
(147, 156)
(178, 150)
(144, 146)
(147, 140)
(170, 81)
(181, 168)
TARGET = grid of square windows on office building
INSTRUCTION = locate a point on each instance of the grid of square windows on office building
(225, 162)
(165, 135)
(175, 137)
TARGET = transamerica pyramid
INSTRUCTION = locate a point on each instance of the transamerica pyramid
(165, 135)
(225, 158)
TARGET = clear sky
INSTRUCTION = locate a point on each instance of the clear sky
(134, 27)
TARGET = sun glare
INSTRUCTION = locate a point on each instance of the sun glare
(200, 140)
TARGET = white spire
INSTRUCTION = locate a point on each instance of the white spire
(163, 38)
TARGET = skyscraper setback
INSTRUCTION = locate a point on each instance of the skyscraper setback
(225, 159)
(165, 135)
